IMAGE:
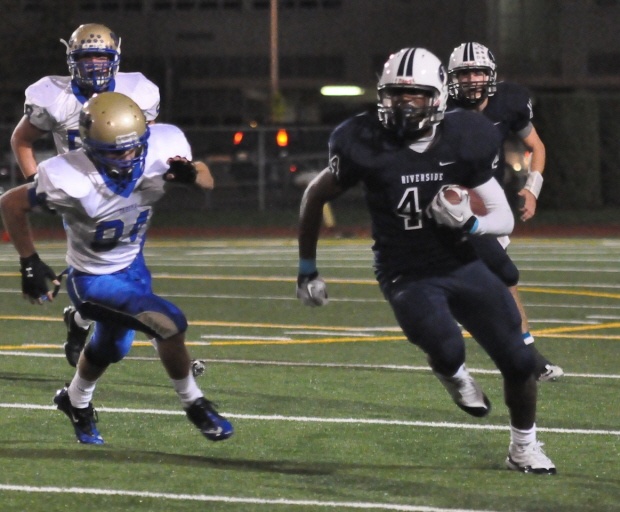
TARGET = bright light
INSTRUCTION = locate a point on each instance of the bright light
(342, 90)
(282, 138)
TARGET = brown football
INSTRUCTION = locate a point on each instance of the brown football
(453, 196)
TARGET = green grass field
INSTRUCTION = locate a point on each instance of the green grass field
(333, 409)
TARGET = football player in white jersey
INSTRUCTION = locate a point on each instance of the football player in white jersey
(105, 193)
(53, 105)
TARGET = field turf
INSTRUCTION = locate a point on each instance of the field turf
(333, 408)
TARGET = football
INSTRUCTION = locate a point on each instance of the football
(454, 195)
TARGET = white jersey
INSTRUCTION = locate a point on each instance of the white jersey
(52, 105)
(105, 231)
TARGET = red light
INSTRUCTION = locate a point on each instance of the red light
(292, 168)
(282, 138)
(237, 138)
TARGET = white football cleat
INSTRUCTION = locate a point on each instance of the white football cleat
(529, 458)
(198, 367)
(466, 393)
(551, 372)
(312, 292)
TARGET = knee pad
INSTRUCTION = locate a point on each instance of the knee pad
(508, 273)
(162, 325)
(154, 316)
(519, 364)
(495, 257)
(96, 358)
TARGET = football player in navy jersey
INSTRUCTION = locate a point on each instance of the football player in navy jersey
(428, 271)
(472, 85)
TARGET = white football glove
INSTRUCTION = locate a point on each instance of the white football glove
(448, 214)
(311, 290)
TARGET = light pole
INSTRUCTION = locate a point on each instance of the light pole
(277, 103)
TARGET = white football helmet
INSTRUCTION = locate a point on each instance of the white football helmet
(472, 57)
(111, 124)
(93, 39)
(412, 71)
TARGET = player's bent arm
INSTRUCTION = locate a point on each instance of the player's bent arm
(204, 178)
(311, 289)
(188, 172)
(15, 206)
(499, 219)
(534, 144)
(319, 191)
(533, 185)
(22, 140)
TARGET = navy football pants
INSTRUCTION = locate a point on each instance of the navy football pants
(428, 310)
(494, 256)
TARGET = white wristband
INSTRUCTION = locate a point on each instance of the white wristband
(534, 183)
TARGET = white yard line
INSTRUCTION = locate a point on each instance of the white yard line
(231, 499)
(315, 419)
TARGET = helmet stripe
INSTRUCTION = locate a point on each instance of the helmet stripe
(401, 65)
(405, 68)
(410, 63)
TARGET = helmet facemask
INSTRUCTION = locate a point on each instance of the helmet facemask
(110, 162)
(471, 60)
(409, 117)
(470, 92)
(93, 75)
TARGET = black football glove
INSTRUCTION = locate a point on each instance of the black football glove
(35, 274)
(181, 171)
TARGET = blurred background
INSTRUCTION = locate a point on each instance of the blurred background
(244, 79)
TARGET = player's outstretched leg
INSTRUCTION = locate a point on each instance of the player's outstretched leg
(466, 392)
(200, 411)
(83, 420)
(199, 366)
(212, 425)
(529, 458)
(76, 336)
(525, 452)
(546, 371)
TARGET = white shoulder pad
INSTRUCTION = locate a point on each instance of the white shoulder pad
(46, 91)
(140, 89)
(44, 100)
(65, 176)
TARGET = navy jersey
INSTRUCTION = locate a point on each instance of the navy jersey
(510, 110)
(400, 183)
